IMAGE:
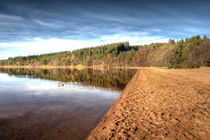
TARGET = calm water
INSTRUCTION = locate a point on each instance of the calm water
(34, 106)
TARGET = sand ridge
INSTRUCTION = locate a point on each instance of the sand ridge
(160, 104)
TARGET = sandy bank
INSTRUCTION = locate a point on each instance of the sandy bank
(160, 103)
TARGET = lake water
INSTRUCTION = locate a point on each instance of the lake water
(56, 104)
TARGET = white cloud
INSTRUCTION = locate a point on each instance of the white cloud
(4, 17)
(41, 46)
(135, 38)
(43, 23)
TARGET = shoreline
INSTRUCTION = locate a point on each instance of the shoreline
(79, 67)
(160, 104)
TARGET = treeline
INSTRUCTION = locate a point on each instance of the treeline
(115, 79)
(189, 52)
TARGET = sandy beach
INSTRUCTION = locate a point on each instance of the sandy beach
(160, 104)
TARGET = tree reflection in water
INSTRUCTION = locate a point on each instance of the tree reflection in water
(116, 79)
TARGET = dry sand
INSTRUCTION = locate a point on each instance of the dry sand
(160, 104)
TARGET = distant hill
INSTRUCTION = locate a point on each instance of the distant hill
(188, 53)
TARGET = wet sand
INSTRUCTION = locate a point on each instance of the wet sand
(160, 104)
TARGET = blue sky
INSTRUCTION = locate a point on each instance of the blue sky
(42, 26)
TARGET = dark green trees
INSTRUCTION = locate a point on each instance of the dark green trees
(191, 52)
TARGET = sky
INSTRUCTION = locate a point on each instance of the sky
(30, 27)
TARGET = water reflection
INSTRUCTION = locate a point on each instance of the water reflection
(56, 104)
(114, 78)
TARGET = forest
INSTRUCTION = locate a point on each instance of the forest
(185, 53)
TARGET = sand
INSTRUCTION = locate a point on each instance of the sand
(160, 104)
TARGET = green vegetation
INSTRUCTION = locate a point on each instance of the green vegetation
(189, 53)
(114, 79)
